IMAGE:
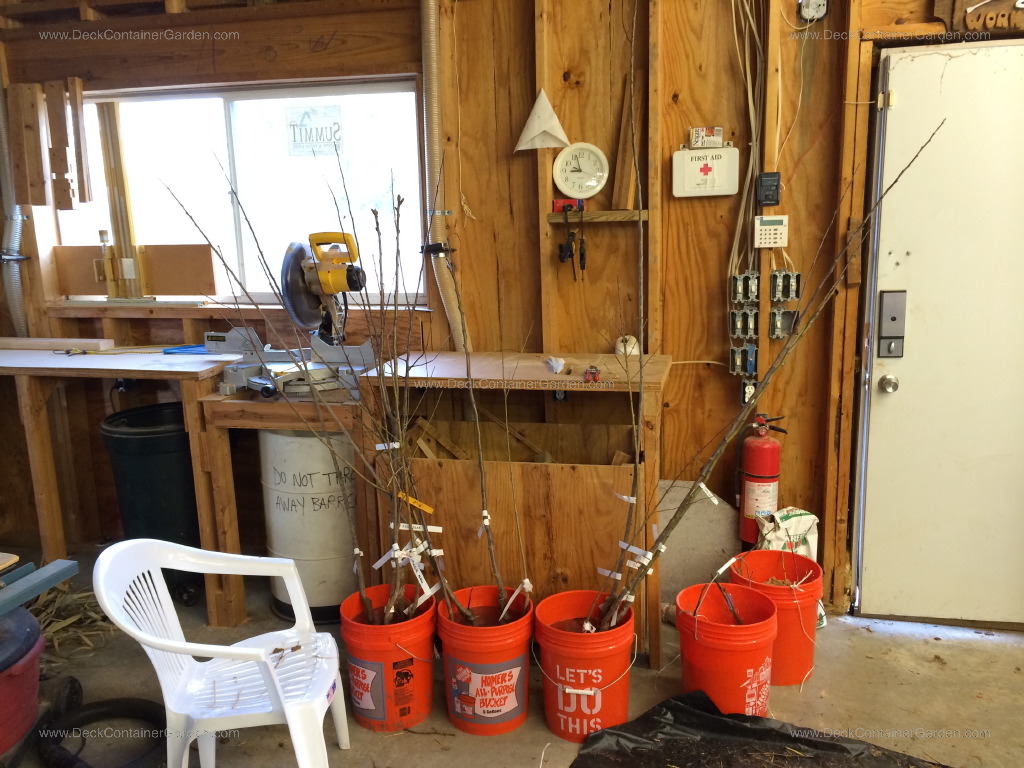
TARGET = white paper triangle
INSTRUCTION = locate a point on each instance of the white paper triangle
(542, 127)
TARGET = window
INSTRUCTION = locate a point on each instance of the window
(284, 150)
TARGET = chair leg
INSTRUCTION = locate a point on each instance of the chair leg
(338, 713)
(207, 749)
(306, 727)
(178, 726)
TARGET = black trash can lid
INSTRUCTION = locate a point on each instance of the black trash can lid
(159, 419)
(19, 631)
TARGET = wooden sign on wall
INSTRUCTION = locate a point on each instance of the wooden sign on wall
(994, 16)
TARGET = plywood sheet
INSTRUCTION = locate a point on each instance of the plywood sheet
(111, 366)
(570, 518)
(76, 270)
(179, 270)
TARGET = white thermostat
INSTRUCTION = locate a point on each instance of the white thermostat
(705, 172)
(771, 231)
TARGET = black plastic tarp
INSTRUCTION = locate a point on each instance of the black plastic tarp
(689, 730)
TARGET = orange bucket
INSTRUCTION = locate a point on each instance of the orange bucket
(487, 669)
(390, 666)
(793, 656)
(586, 674)
(730, 662)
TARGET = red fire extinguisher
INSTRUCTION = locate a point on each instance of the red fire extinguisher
(757, 473)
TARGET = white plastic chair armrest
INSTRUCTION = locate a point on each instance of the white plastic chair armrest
(202, 650)
(207, 561)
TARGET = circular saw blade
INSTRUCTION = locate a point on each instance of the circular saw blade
(302, 305)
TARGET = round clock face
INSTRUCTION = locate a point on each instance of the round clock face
(580, 170)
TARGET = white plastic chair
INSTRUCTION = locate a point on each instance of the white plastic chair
(291, 676)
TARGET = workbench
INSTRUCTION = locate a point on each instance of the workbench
(570, 504)
(38, 372)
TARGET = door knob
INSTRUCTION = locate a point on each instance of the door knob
(888, 383)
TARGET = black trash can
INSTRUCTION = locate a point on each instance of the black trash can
(152, 463)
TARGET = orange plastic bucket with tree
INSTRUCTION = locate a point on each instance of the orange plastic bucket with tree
(794, 584)
(586, 674)
(390, 666)
(487, 666)
(730, 661)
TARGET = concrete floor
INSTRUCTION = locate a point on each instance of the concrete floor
(921, 689)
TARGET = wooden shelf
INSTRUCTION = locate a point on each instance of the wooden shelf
(598, 216)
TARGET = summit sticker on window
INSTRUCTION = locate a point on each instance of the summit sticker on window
(314, 130)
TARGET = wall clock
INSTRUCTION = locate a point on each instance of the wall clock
(580, 170)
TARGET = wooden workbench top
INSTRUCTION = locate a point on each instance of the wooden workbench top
(526, 370)
(23, 362)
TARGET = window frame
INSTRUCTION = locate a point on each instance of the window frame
(235, 92)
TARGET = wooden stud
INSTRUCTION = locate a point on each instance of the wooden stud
(60, 167)
(545, 188)
(92, 345)
(845, 321)
(655, 170)
(74, 91)
(218, 522)
(33, 397)
(29, 156)
(769, 163)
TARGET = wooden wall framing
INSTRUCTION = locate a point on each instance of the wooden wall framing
(496, 55)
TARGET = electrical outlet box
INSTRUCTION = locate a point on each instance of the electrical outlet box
(812, 10)
(743, 323)
(785, 286)
(745, 288)
(771, 231)
(747, 390)
(743, 360)
(782, 323)
(705, 172)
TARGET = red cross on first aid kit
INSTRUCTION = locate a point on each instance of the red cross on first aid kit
(705, 172)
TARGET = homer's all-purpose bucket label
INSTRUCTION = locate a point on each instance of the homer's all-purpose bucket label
(367, 684)
(486, 693)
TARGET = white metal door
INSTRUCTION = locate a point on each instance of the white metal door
(941, 489)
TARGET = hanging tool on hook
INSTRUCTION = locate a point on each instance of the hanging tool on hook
(567, 250)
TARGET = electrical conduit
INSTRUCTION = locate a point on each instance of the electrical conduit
(437, 226)
(12, 229)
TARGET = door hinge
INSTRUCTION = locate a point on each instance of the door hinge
(886, 100)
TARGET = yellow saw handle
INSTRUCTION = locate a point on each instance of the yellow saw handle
(335, 265)
(342, 247)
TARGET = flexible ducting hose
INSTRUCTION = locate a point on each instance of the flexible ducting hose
(437, 226)
(12, 229)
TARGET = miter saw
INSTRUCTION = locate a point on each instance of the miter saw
(312, 277)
